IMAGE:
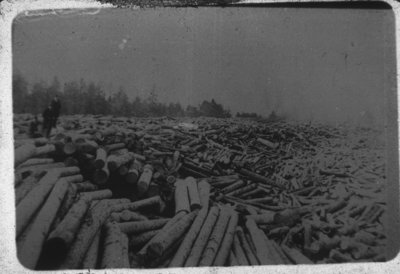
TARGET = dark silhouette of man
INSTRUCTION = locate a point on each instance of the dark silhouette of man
(56, 107)
(47, 121)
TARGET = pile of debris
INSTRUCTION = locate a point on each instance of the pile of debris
(115, 192)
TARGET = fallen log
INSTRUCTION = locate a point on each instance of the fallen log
(60, 239)
(258, 239)
(223, 252)
(162, 243)
(181, 197)
(144, 180)
(138, 240)
(32, 246)
(251, 257)
(92, 223)
(35, 198)
(202, 238)
(113, 255)
(92, 255)
(239, 252)
(193, 193)
(215, 239)
(141, 226)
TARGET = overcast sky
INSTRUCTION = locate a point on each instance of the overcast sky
(309, 63)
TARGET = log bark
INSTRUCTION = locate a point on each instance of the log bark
(295, 255)
(215, 240)
(204, 234)
(127, 216)
(60, 239)
(155, 201)
(181, 197)
(144, 180)
(184, 249)
(32, 246)
(92, 255)
(239, 252)
(35, 198)
(113, 254)
(36, 161)
(165, 240)
(23, 153)
(258, 240)
(141, 226)
(138, 240)
(92, 223)
(226, 245)
(251, 257)
(194, 197)
(101, 157)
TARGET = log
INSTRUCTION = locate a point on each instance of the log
(133, 173)
(69, 148)
(138, 240)
(32, 245)
(215, 240)
(36, 161)
(38, 169)
(265, 218)
(125, 251)
(239, 252)
(184, 249)
(202, 238)
(60, 239)
(116, 161)
(266, 200)
(223, 252)
(100, 176)
(92, 255)
(113, 248)
(267, 143)
(193, 192)
(166, 239)
(149, 202)
(113, 147)
(23, 153)
(204, 193)
(242, 190)
(258, 178)
(144, 180)
(101, 157)
(181, 197)
(258, 239)
(127, 216)
(141, 226)
(251, 257)
(232, 187)
(296, 256)
(86, 186)
(35, 198)
(92, 223)
(26, 186)
(232, 259)
(46, 149)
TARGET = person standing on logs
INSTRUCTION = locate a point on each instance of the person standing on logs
(56, 107)
(47, 121)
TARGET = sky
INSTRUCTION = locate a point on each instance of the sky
(310, 64)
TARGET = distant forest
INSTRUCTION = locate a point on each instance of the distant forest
(89, 98)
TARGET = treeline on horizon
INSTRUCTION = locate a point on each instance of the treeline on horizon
(90, 98)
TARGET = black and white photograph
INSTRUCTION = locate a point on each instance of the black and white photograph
(218, 134)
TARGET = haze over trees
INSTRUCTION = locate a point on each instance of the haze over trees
(89, 98)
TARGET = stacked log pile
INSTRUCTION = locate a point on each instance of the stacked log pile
(115, 192)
